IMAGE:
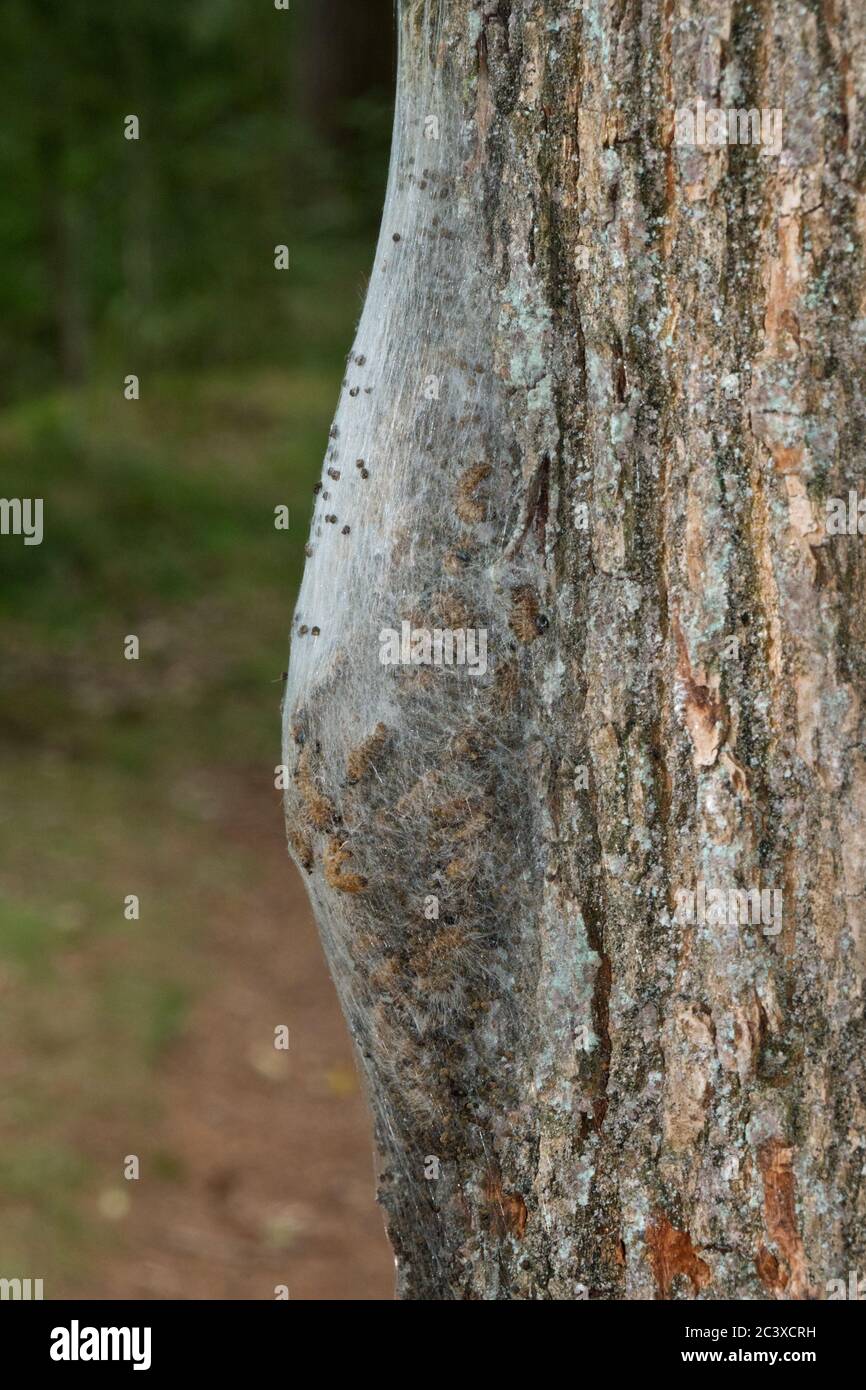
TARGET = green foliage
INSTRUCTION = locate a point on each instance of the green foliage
(160, 523)
(159, 251)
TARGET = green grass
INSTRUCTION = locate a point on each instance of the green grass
(27, 939)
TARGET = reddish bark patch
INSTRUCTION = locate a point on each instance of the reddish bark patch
(509, 1209)
(776, 1161)
(705, 717)
(771, 1273)
(515, 1213)
(671, 1253)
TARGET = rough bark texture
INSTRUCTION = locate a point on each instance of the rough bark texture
(619, 1100)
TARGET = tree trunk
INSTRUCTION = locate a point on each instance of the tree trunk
(603, 386)
(344, 53)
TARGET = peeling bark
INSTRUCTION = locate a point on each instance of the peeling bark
(601, 390)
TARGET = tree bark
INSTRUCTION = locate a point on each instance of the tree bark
(649, 362)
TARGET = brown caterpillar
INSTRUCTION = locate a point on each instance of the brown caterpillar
(459, 868)
(336, 855)
(317, 807)
(473, 827)
(451, 811)
(466, 745)
(524, 621)
(453, 610)
(361, 758)
(440, 966)
(469, 507)
(303, 848)
(507, 684)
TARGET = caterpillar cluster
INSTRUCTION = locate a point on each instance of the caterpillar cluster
(416, 828)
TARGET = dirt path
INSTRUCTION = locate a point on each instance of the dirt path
(272, 1149)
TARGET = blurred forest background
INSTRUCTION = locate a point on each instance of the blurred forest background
(154, 1037)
